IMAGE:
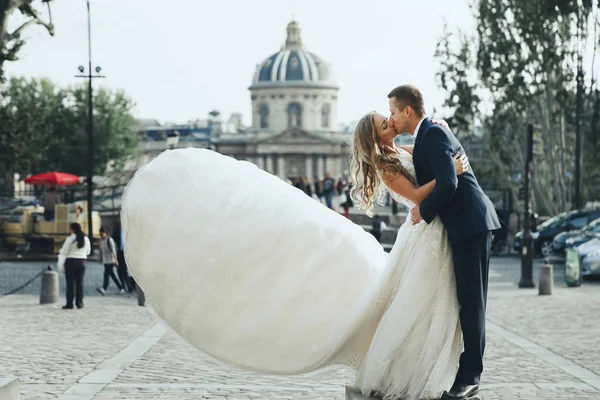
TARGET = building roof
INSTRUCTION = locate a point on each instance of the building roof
(293, 65)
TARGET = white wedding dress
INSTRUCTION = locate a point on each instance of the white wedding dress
(259, 276)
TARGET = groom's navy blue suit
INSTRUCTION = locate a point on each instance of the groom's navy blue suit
(469, 218)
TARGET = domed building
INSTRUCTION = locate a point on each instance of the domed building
(294, 88)
(294, 130)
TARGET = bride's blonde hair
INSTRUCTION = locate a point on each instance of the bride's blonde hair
(371, 165)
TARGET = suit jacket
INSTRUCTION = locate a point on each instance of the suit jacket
(459, 201)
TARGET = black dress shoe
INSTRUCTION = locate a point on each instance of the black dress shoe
(79, 305)
(461, 392)
(67, 307)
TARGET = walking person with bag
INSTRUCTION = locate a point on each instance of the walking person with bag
(71, 261)
(108, 257)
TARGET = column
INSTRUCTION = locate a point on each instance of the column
(281, 167)
(320, 166)
(270, 163)
(330, 166)
(260, 161)
(308, 169)
(339, 167)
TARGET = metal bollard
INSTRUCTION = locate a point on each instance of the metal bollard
(141, 297)
(49, 293)
(9, 388)
(546, 279)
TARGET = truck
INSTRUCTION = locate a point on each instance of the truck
(25, 228)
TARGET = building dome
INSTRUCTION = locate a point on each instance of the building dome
(293, 65)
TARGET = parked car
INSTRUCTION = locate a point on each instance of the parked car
(575, 238)
(547, 231)
(589, 252)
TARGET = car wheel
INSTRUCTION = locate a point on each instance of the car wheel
(546, 248)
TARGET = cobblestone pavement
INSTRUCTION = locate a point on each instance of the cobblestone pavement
(537, 348)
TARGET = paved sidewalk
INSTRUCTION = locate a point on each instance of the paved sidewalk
(538, 348)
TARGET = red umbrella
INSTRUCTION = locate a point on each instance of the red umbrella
(53, 178)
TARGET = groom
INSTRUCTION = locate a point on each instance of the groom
(468, 216)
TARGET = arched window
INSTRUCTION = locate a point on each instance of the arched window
(325, 111)
(264, 116)
(294, 115)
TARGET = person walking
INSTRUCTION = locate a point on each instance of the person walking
(71, 261)
(308, 187)
(319, 190)
(328, 190)
(50, 200)
(377, 227)
(348, 203)
(126, 282)
(108, 257)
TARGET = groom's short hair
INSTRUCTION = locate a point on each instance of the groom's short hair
(408, 95)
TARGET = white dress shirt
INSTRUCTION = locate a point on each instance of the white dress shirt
(70, 250)
(416, 132)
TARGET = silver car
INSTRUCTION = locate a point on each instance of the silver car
(590, 257)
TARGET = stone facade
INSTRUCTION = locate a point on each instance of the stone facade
(293, 152)
(271, 107)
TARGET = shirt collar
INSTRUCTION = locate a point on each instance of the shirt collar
(416, 132)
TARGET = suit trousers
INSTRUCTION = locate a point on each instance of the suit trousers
(471, 266)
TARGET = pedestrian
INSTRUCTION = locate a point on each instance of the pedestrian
(348, 203)
(340, 185)
(319, 190)
(71, 261)
(126, 283)
(308, 187)
(299, 183)
(377, 227)
(328, 190)
(50, 200)
(108, 257)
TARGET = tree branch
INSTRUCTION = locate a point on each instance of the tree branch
(37, 21)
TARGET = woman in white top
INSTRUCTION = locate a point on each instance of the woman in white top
(72, 258)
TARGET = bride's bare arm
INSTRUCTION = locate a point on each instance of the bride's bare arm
(405, 188)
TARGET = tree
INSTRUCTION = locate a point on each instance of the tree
(115, 134)
(456, 76)
(524, 55)
(33, 120)
(11, 42)
(44, 129)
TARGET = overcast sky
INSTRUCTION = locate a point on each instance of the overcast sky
(180, 59)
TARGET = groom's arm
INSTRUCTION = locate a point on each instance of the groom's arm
(438, 152)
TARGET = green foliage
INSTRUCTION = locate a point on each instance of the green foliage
(44, 128)
(524, 56)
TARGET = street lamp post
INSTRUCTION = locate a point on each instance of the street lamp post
(577, 200)
(90, 125)
(527, 246)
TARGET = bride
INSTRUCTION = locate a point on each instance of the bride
(261, 277)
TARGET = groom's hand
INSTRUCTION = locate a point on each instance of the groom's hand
(415, 215)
